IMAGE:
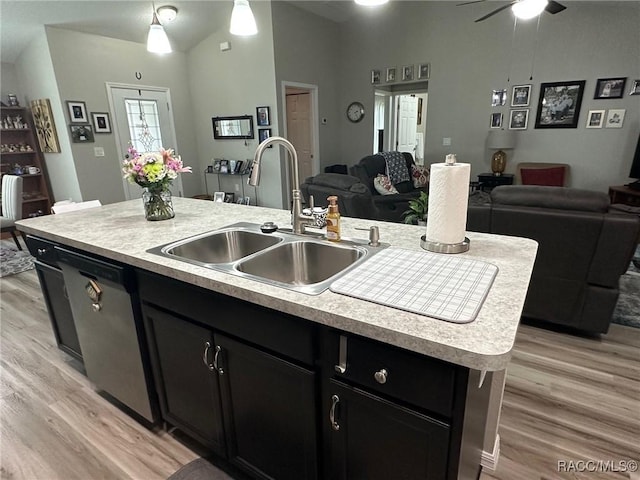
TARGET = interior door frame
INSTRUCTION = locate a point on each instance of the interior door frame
(315, 144)
(109, 86)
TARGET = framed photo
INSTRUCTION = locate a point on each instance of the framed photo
(609, 88)
(218, 197)
(595, 119)
(216, 165)
(423, 71)
(238, 168)
(247, 200)
(391, 74)
(520, 95)
(375, 76)
(615, 118)
(45, 126)
(77, 112)
(559, 104)
(519, 119)
(263, 134)
(498, 98)
(101, 122)
(407, 73)
(224, 166)
(635, 87)
(12, 100)
(263, 116)
(228, 197)
(232, 166)
(496, 120)
(81, 133)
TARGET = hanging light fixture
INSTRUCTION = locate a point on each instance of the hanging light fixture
(157, 40)
(526, 9)
(371, 3)
(242, 20)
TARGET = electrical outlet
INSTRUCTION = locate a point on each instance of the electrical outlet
(98, 151)
(446, 141)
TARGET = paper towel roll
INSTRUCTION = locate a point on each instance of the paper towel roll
(448, 199)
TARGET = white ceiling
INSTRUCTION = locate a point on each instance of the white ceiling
(129, 20)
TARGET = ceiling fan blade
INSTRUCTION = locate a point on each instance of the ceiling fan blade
(469, 3)
(554, 7)
(497, 10)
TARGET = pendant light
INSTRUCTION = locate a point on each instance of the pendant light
(157, 40)
(242, 20)
(371, 3)
(526, 9)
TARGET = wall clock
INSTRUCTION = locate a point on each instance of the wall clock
(355, 112)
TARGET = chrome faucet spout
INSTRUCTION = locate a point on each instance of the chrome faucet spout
(299, 221)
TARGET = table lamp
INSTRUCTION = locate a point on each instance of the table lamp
(500, 140)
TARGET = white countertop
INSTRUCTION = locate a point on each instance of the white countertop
(120, 232)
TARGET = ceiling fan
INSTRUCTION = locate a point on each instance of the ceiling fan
(523, 8)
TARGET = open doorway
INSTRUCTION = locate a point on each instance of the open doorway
(400, 120)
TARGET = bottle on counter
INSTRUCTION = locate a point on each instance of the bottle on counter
(333, 220)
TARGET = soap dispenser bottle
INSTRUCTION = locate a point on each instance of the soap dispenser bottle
(333, 220)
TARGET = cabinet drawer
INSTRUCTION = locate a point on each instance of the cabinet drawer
(42, 250)
(400, 374)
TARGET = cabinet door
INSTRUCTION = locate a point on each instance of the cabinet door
(270, 413)
(374, 439)
(189, 388)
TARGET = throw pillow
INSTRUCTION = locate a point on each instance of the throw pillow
(383, 186)
(420, 176)
(551, 177)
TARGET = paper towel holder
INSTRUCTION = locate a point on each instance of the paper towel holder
(439, 247)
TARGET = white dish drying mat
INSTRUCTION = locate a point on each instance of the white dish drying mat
(447, 287)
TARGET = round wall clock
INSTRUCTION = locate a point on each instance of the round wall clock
(355, 112)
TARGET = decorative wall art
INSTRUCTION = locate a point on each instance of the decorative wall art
(45, 126)
(520, 95)
(559, 104)
(263, 134)
(101, 122)
(635, 87)
(609, 88)
(498, 98)
(519, 119)
(81, 133)
(615, 118)
(595, 119)
(263, 116)
(407, 73)
(77, 112)
(496, 120)
(375, 76)
(391, 74)
(423, 71)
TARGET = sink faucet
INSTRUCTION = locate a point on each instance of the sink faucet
(298, 219)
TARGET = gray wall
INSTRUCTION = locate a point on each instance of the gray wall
(468, 60)
(9, 82)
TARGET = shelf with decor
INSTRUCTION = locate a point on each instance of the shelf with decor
(20, 153)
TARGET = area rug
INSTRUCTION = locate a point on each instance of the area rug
(627, 311)
(199, 469)
(13, 261)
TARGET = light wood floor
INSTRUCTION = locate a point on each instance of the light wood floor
(567, 399)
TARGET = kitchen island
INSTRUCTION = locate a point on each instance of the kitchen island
(455, 357)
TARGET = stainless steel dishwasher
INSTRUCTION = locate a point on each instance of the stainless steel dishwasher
(109, 329)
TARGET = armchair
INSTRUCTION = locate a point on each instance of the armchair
(11, 205)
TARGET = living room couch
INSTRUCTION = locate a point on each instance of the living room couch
(583, 250)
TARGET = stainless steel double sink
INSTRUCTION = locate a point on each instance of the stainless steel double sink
(304, 263)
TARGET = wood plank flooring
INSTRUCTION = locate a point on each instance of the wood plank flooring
(567, 398)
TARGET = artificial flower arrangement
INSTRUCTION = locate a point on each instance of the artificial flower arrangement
(154, 171)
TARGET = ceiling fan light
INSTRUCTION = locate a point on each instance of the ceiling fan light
(157, 40)
(167, 13)
(242, 20)
(371, 3)
(526, 9)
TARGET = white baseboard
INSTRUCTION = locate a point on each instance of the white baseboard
(490, 459)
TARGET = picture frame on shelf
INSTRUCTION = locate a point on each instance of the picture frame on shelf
(635, 87)
(12, 100)
(609, 88)
(559, 104)
(232, 166)
(224, 166)
(595, 119)
(407, 73)
(77, 112)
(216, 165)
(263, 116)
(615, 118)
(499, 97)
(218, 197)
(375, 77)
(238, 167)
(424, 71)
(101, 122)
(81, 133)
(520, 95)
(519, 119)
(229, 197)
(45, 126)
(391, 74)
(496, 120)
(248, 167)
(247, 200)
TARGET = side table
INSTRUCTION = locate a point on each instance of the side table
(488, 181)
(625, 195)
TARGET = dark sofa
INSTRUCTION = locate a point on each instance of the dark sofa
(583, 250)
(354, 198)
(390, 207)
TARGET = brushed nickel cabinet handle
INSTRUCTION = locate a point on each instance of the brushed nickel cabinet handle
(205, 356)
(341, 367)
(332, 413)
(215, 360)
(42, 251)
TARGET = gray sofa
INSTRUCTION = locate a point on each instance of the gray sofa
(583, 250)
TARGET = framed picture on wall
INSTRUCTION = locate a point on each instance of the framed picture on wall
(263, 116)
(635, 87)
(375, 77)
(496, 120)
(101, 123)
(45, 126)
(391, 74)
(407, 73)
(615, 118)
(77, 112)
(263, 134)
(423, 71)
(81, 133)
(609, 88)
(559, 104)
(595, 119)
(520, 95)
(498, 98)
(519, 119)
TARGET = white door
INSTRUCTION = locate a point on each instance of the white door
(407, 124)
(299, 131)
(143, 118)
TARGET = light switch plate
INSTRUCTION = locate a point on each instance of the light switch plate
(98, 151)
